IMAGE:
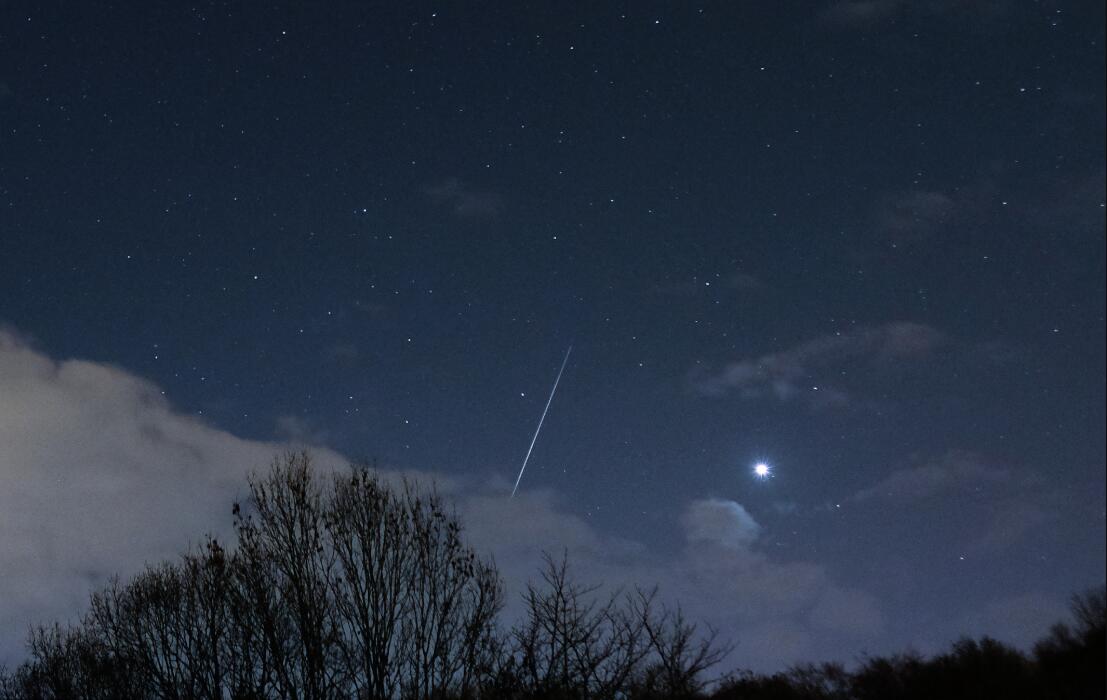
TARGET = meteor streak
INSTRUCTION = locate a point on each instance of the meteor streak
(540, 421)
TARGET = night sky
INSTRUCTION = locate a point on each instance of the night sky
(861, 242)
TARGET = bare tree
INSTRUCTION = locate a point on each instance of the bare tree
(354, 587)
(171, 626)
(416, 608)
(369, 584)
(284, 569)
(680, 653)
(573, 645)
(1071, 657)
(69, 663)
(142, 623)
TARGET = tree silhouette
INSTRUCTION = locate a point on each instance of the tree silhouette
(1067, 665)
(1071, 658)
(571, 645)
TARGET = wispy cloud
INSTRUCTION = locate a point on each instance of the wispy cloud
(859, 13)
(342, 353)
(952, 471)
(1074, 206)
(813, 370)
(1020, 619)
(914, 215)
(466, 202)
(863, 14)
(998, 505)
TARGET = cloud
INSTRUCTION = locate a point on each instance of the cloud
(465, 202)
(778, 611)
(1074, 206)
(719, 575)
(864, 14)
(295, 430)
(1070, 206)
(345, 354)
(724, 522)
(814, 370)
(953, 471)
(859, 13)
(848, 610)
(997, 506)
(914, 215)
(101, 474)
(742, 280)
(1011, 521)
(1019, 619)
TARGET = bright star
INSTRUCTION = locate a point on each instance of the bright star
(762, 471)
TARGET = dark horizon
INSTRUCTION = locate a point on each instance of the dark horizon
(859, 243)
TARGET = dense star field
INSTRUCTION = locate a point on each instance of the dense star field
(832, 274)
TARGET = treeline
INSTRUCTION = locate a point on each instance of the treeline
(1068, 664)
(350, 587)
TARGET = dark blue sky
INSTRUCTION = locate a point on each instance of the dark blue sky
(862, 241)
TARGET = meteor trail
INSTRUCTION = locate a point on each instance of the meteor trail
(540, 421)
